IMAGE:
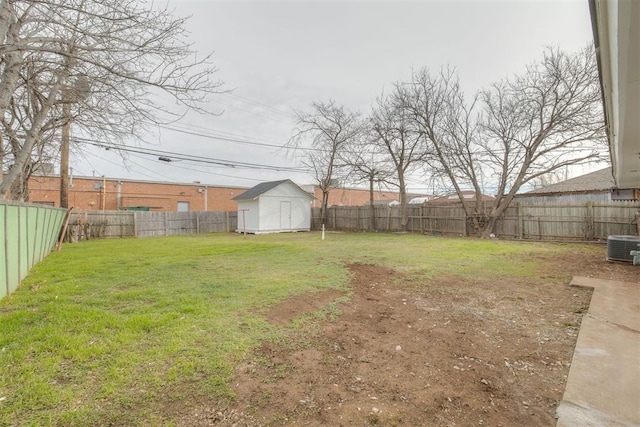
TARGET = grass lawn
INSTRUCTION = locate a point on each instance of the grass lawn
(108, 331)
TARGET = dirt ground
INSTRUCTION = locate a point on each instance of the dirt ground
(401, 353)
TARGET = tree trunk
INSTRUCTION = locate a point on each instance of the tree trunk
(404, 211)
(19, 190)
(487, 230)
(372, 208)
(16, 192)
(404, 208)
(9, 35)
(323, 208)
(6, 18)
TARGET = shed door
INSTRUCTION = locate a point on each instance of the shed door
(285, 215)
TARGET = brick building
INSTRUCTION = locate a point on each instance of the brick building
(353, 196)
(98, 193)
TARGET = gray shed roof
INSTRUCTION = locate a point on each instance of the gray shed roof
(259, 189)
(598, 181)
(262, 188)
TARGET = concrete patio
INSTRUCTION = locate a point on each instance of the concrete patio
(603, 388)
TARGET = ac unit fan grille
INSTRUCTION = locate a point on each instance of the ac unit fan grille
(619, 247)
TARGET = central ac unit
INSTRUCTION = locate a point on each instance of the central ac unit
(619, 247)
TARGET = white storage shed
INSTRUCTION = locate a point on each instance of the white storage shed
(274, 207)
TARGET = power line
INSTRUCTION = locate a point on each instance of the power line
(203, 171)
(222, 138)
(247, 140)
(120, 165)
(164, 177)
(255, 113)
(147, 169)
(216, 132)
(241, 139)
(188, 157)
(258, 103)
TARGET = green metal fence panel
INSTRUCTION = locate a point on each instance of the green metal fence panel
(32, 230)
(28, 233)
(4, 283)
(36, 253)
(23, 222)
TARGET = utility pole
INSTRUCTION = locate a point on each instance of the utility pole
(76, 92)
(64, 156)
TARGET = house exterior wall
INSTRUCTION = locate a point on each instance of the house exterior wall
(86, 194)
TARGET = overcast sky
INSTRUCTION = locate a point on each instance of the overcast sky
(279, 56)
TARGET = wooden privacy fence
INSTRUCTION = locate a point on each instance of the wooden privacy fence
(28, 233)
(581, 221)
(532, 221)
(106, 224)
(422, 218)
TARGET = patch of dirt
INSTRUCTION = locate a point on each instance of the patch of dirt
(286, 311)
(439, 353)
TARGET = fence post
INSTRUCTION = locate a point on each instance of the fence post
(520, 221)
(135, 224)
(589, 226)
(465, 223)
(335, 212)
(122, 223)
(197, 223)
(388, 218)
(166, 224)
(87, 228)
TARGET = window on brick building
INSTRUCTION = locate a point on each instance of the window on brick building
(183, 206)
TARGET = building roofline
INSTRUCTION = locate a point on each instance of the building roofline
(142, 181)
(561, 193)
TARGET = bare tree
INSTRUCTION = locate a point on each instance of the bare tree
(133, 58)
(366, 162)
(330, 129)
(439, 109)
(24, 106)
(545, 120)
(402, 143)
